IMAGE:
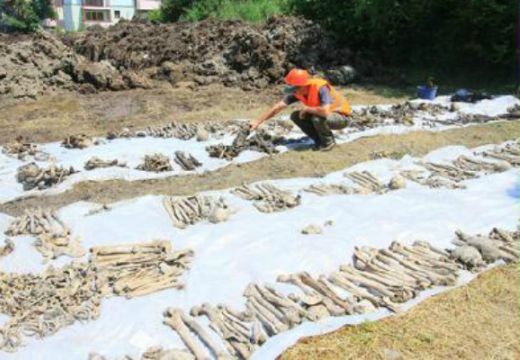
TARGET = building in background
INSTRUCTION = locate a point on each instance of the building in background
(144, 6)
(76, 15)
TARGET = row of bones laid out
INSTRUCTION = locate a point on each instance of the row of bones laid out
(377, 278)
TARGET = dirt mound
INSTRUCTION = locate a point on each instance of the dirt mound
(139, 54)
(31, 65)
(232, 52)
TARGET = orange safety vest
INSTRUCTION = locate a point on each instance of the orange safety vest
(339, 103)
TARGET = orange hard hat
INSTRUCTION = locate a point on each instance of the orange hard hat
(297, 77)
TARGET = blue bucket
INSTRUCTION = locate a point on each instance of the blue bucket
(427, 93)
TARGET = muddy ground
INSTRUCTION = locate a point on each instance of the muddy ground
(52, 118)
(287, 165)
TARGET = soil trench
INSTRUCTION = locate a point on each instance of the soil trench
(287, 165)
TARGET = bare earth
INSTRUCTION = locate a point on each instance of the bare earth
(53, 118)
(477, 321)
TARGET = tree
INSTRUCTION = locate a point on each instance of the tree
(478, 33)
(172, 10)
(25, 15)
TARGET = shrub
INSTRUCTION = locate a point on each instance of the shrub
(450, 32)
(195, 10)
(25, 15)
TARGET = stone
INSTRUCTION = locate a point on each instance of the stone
(202, 134)
(502, 166)
(468, 255)
(218, 215)
(392, 354)
(397, 182)
(311, 229)
(342, 75)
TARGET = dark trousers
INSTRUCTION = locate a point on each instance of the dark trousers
(320, 128)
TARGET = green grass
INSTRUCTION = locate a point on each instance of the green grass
(247, 10)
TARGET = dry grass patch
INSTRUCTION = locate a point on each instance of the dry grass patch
(477, 321)
(53, 117)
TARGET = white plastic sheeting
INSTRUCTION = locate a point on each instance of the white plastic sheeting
(133, 150)
(257, 247)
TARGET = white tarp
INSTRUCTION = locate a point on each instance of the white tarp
(257, 247)
(133, 150)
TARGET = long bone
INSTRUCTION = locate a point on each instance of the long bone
(215, 318)
(419, 260)
(396, 294)
(366, 179)
(258, 335)
(252, 292)
(269, 327)
(340, 281)
(429, 247)
(242, 316)
(44, 220)
(323, 290)
(423, 250)
(379, 277)
(504, 235)
(260, 308)
(213, 346)
(474, 164)
(149, 286)
(145, 247)
(513, 160)
(167, 204)
(349, 305)
(328, 189)
(422, 257)
(505, 242)
(233, 339)
(316, 297)
(363, 260)
(396, 265)
(293, 311)
(173, 319)
(428, 273)
(49, 224)
(377, 267)
(192, 205)
(180, 214)
(229, 316)
(190, 213)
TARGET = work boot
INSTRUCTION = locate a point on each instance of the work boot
(321, 127)
(327, 147)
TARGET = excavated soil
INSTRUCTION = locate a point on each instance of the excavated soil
(142, 54)
(37, 64)
(233, 52)
(287, 165)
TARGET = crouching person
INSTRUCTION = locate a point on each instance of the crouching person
(324, 108)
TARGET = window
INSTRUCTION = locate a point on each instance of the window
(117, 14)
(96, 15)
(93, 3)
